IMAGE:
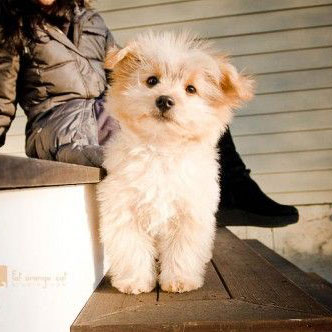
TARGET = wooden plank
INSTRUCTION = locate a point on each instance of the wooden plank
(212, 289)
(315, 287)
(295, 182)
(16, 172)
(275, 41)
(284, 61)
(289, 162)
(107, 302)
(213, 315)
(251, 278)
(303, 198)
(238, 25)
(282, 122)
(284, 142)
(109, 310)
(288, 101)
(321, 280)
(290, 81)
(232, 8)
(107, 5)
(199, 9)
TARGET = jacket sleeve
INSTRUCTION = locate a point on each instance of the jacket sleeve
(9, 67)
(110, 41)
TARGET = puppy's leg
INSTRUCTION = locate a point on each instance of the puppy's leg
(131, 255)
(184, 252)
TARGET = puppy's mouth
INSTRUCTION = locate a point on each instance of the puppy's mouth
(162, 116)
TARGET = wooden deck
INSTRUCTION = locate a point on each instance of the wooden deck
(248, 288)
(18, 172)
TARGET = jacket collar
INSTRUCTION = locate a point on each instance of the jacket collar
(80, 17)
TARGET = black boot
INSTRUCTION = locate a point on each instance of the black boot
(242, 201)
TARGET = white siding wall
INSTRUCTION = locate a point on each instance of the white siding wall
(285, 133)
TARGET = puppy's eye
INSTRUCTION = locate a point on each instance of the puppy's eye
(191, 89)
(152, 80)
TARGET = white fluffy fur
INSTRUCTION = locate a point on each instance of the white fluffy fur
(159, 198)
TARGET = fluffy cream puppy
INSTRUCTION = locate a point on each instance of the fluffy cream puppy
(173, 97)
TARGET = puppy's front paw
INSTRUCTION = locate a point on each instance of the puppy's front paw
(180, 286)
(132, 287)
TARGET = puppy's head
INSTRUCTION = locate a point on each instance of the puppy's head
(172, 88)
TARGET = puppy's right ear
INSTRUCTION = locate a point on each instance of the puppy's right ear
(235, 86)
(115, 55)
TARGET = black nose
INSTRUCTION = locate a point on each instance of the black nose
(164, 103)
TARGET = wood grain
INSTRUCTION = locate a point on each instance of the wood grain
(307, 198)
(262, 299)
(17, 172)
(288, 101)
(211, 290)
(238, 25)
(284, 61)
(252, 279)
(294, 81)
(314, 286)
(289, 162)
(295, 182)
(268, 42)
(284, 142)
(106, 302)
(285, 122)
(107, 5)
(213, 315)
(164, 13)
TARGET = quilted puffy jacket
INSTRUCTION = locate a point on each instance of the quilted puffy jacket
(56, 82)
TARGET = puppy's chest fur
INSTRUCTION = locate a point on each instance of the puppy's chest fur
(162, 189)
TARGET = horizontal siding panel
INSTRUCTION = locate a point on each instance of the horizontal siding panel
(288, 101)
(18, 126)
(238, 25)
(304, 198)
(105, 5)
(285, 61)
(301, 80)
(19, 111)
(289, 162)
(284, 142)
(14, 154)
(275, 41)
(13, 145)
(199, 9)
(274, 123)
(295, 182)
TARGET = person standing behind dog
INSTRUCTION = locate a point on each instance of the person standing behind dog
(52, 63)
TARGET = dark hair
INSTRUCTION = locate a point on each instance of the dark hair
(20, 18)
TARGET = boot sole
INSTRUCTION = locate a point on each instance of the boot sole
(236, 217)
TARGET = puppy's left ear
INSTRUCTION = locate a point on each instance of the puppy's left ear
(236, 87)
(115, 55)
